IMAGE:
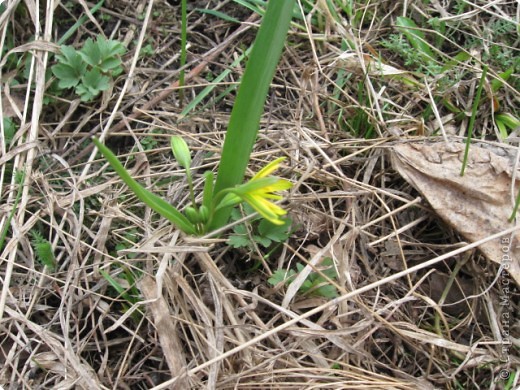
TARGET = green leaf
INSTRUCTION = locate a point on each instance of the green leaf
(102, 53)
(307, 285)
(85, 93)
(459, 58)
(330, 272)
(110, 64)
(19, 177)
(117, 286)
(276, 233)
(9, 129)
(257, 6)
(496, 84)
(326, 291)
(265, 242)
(281, 275)
(415, 36)
(239, 241)
(69, 55)
(94, 80)
(207, 194)
(155, 202)
(515, 208)
(236, 215)
(111, 48)
(218, 14)
(474, 109)
(240, 229)
(314, 285)
(91, 53)
(92, 83)
(247, 110)
(67, 76)
(43, 250)
(505, 123)
(70, 67)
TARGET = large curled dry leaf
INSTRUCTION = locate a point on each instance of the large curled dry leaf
(477, 204)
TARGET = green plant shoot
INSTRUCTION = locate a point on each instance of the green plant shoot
(258, 192)
(220, 195)
(247, 110)
(471, 124)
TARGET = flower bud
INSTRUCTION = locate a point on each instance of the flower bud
(181, 152)
(192, 214)
(204, 214)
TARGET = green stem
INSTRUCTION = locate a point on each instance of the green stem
(184, 39)
(153, 201)
(251, 96)
(471, 124)
(515, 209)
(190, 185)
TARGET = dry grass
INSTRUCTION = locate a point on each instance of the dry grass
(202, 318)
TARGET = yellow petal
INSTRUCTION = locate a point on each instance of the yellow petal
(269, 168)
(266, 209)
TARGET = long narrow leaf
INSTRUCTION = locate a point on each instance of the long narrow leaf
(214, 84)
(155, 202)
(471, 124)
(515, 208)
(415, 36)
(249, 104)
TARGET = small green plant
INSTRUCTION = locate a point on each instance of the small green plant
(506, 123)
(316, 283)
(223, 192)
(91, 69)
(125, 286)
(9, 130)
(197, 218)
(43, 250)
(412, 46)
(258, 230)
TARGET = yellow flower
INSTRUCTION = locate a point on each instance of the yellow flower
(269, 168)
(257, 192)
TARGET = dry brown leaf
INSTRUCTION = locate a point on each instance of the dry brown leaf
(166, 329)
(477, 204)
(12, 104)
(352, 62)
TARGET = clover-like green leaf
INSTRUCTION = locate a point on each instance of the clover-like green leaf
(276, 233)
(92, 83)
(315, 284)
(70, 67)
(111, 64)
(325, 290)
(239, 241)
(91, 53)
(281, 275)
(102, 53)
(110, 48)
